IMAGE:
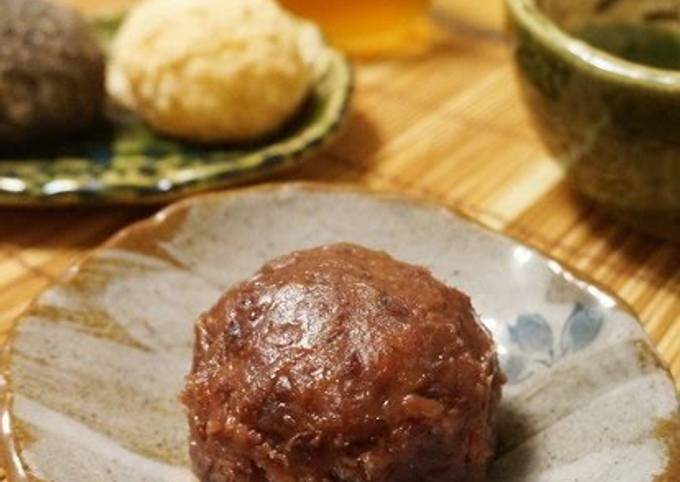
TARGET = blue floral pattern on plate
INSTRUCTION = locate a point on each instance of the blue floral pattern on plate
(533, 344)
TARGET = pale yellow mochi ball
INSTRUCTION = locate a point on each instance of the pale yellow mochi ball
(210, 70)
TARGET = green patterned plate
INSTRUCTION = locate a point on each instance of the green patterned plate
(123, 161)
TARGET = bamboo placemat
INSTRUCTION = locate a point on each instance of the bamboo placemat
(447, 125)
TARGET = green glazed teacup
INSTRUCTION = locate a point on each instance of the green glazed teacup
(602, 81)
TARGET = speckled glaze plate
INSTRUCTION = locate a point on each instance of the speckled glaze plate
(123, 161)
(96, 364)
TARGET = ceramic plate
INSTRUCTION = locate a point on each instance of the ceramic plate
(123, 161)
(96, 364)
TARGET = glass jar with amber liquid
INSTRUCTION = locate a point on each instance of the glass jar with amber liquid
(368, 28)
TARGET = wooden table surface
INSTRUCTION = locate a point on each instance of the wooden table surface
(447, 125)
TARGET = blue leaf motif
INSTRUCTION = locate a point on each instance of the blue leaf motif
(581, 328)
(533, 334)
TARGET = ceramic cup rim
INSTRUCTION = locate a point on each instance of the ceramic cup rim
(584, 56)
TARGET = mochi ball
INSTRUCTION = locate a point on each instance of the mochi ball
(51, 72)
(210, 71)
(342, 364)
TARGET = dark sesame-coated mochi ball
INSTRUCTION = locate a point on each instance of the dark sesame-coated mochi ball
(51, 72)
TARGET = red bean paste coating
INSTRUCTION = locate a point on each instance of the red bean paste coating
(342, 364)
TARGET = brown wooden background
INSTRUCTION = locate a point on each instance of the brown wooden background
(447, 125)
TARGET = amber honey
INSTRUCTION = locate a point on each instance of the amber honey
(367, 27)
